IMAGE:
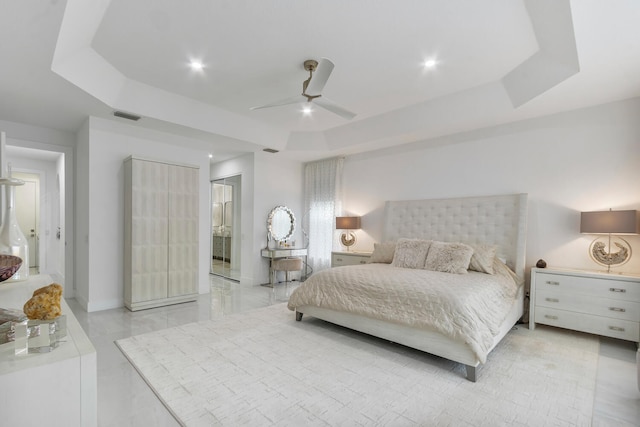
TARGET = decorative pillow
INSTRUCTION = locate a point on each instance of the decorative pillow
(383, 252)
(411, 253)
(449, 257)
(482, 258)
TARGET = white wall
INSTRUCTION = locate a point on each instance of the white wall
(278, 182)
(582, 160)
(39, 138)
(81, 258)
(60, 215)
(268, 180)
(110, 143)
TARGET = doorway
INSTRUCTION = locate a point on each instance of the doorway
(225, 227)
(43, 197)
(27, 202)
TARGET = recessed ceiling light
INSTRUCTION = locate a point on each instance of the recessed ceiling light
(210, 156)
(196, 65)
(430, 63)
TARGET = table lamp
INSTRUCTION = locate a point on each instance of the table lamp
(348, 239)
(610, 223)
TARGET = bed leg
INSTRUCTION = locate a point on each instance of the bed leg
(298, 316)
(471, 373)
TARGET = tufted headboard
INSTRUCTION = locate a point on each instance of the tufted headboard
(495, 220)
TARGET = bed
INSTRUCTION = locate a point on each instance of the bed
(497, 222)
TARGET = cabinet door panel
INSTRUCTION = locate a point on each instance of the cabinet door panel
(183, 230)
(149, 235)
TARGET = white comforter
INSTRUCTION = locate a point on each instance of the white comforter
(464, 307)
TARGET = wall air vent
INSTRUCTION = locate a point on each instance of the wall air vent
(126, 115)
(270, 150)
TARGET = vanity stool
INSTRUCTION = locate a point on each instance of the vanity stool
(285, 264)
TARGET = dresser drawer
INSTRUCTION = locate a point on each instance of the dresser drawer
(340, 259)
(615, 328)
(588, 304)
(599, 287)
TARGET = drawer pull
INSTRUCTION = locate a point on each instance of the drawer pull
(616, 328)
(363, 262)
(338, 259)
(551, 282)
(618, 309)
(552, 299)
(617, 290)
(548, 316)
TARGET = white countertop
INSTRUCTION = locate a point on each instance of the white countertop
(75, 344)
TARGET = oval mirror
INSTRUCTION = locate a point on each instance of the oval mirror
(281, 223)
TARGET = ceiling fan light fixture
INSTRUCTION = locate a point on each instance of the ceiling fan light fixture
(307, 110)
(430, 63)
(196, 65)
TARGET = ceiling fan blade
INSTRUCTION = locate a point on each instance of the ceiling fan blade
(286, 101)
(320, 77)
(334, 108)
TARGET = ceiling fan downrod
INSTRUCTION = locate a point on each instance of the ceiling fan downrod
(310, 65)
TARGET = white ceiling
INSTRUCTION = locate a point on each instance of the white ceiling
(498, 61)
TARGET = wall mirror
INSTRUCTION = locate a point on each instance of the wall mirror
(281, 223)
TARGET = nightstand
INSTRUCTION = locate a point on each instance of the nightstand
(597, 303)
(349, 258)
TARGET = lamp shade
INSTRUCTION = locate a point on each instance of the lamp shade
(347, 222)
(610, 222)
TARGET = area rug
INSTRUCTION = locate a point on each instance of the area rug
(263, 368)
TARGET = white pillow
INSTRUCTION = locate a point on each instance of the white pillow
(482, 258)
(411, 253)
(449, 257)
(383, 252)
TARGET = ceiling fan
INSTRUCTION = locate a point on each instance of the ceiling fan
(312, 89)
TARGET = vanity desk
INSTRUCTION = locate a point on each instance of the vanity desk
(281, 225)
(277, 253)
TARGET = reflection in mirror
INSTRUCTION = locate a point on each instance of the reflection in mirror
(281, 223)
(225, 227)
(228, 215)
(216, 215)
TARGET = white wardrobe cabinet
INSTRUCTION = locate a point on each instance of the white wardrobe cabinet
(161, 233)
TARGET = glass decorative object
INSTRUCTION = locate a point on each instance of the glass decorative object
(45, 335)
(12, 239)
(22, 336)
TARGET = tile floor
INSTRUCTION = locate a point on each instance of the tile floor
(223, 268)
(124, 399)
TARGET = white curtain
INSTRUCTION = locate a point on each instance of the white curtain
(323, 202)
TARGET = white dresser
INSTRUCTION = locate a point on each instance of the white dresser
(593, 302)
(46, 389)
(349, 258)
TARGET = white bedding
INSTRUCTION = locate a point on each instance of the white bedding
(468, 308)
